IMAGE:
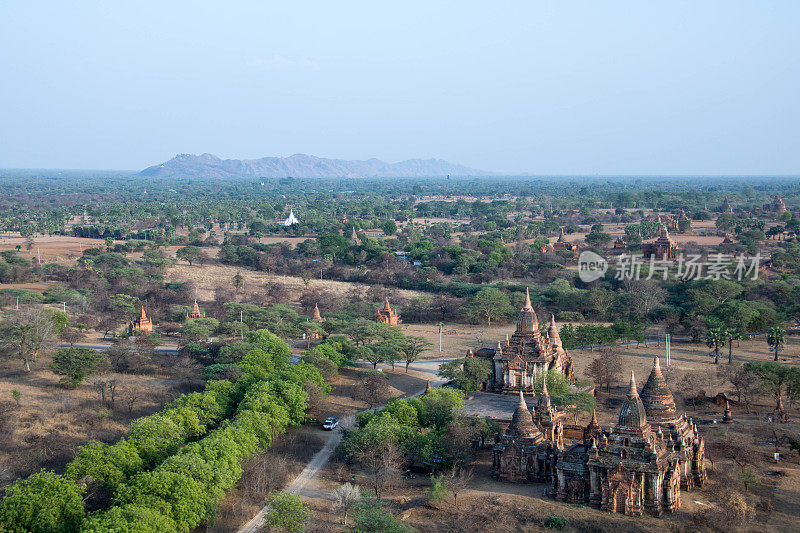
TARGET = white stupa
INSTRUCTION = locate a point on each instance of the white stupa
(291, 220)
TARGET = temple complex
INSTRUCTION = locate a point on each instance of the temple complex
(387, 315)
(661, 248)
(629, 470)
(776, 206)
(661, 412)
(726, 206)
(562, 243)
(639, 465)
(522, 453)
(195, 312)
(526, 355)
(354, 237)
(141, 324)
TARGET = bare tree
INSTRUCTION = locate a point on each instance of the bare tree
(645, 295)
(744, 383)
(28, 333)
(457, 482)
(130, 395)
(345, 498)
(606, 368)
(372, 390)
(382, 466)
(103, 385)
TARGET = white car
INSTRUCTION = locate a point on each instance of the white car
(330, 423)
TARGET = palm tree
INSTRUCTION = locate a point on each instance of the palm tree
(715, 338)
(732, 334)
(776, 337)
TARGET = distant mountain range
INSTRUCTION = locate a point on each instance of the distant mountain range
(302, 166)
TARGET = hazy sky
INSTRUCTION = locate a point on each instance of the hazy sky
(558, 87)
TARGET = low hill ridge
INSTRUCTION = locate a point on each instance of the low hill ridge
(302, 166)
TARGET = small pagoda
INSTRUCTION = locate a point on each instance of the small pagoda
(387, 315)
(661, 248)
(195, 313)
(142, 324)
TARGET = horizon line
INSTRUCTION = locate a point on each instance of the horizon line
(489, 174)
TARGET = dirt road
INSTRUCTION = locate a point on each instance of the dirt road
(303, 484)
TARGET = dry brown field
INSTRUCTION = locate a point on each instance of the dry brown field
(51, 420)
(210, 276)
(53, 249)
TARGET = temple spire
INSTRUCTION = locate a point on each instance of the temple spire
(632, 392)
(143, 315)
(528, 304)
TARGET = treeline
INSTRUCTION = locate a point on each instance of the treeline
(174, 467)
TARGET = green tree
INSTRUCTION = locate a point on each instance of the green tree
(238, 281)
(287, 512)
(373, 517)
(42, 503)
(362, 331)
(105, 464)
(774, 377)
(732, 334)
(576, 403)
(130, 518)
(715, 338)
(199, 328)
(438, 490)
(467, 374)
(489, 303)
(190, 253)
(748, 478)
(76, 364)
(412, 347)
(776, 337)
(389, 227)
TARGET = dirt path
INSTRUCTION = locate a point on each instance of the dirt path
(305, 483)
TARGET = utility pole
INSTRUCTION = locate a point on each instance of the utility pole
(17, 303)
(440, 324)
(65, 307)
(241, 324)
(667, 344)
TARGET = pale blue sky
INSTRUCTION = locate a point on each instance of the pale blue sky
(595, 87)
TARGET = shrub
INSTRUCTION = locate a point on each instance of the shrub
(555, 522)
(287, 512)
(76, 364)
(438, 490)
(373, 517)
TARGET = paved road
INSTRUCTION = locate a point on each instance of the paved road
(101, 347)
(302, 484)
